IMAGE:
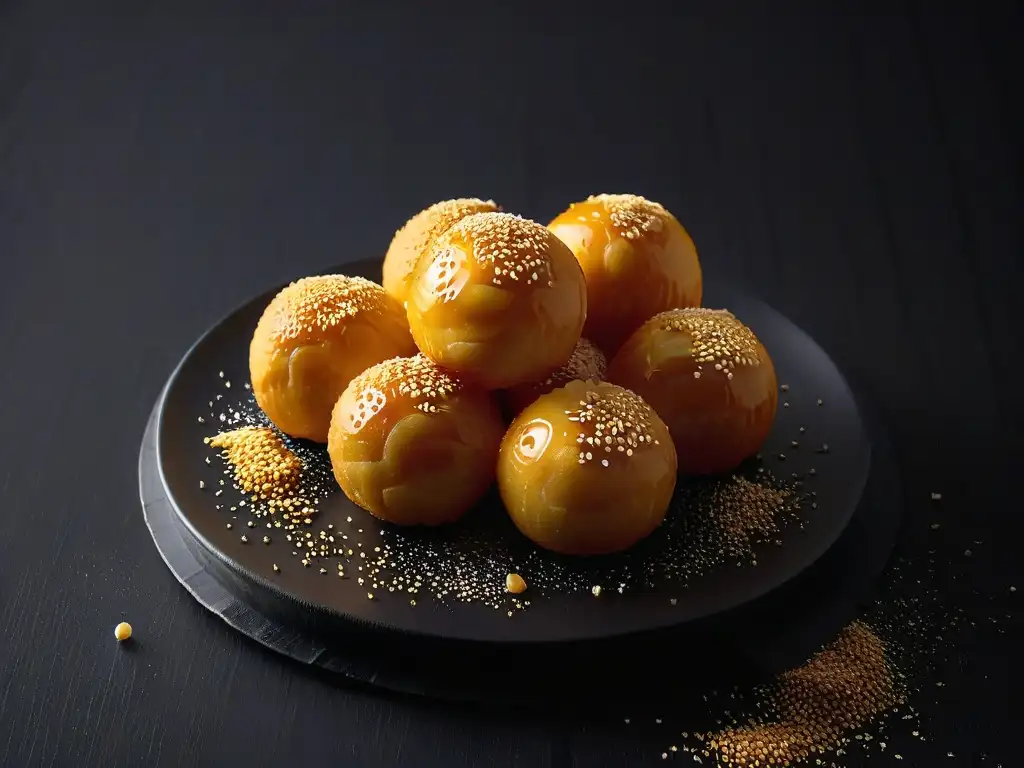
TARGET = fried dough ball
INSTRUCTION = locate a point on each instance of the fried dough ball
(587, 469)
(709, 378)
(414, 444)
(499, 299)
(638, 261)
(418, 233)
(313, 338)
(586, 363)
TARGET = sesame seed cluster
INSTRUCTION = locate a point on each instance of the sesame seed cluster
(718, 338)
(586, 362)
(263, 464)
(319, 303)
(416, 377)
(516, 249)
(611, 421)
(633, 215)
(422, 229)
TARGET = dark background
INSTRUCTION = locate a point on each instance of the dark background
(857, 165)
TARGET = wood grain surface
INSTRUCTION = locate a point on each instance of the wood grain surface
(857, 165)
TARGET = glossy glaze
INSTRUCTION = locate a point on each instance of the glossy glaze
(719, 411)
(636, 265)
(414, 445)
(416, 236)
(587, 469)
(498, 299)
(305, 351)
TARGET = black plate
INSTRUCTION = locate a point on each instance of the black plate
(322, 605)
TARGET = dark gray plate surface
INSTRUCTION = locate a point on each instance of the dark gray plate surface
(319, 606)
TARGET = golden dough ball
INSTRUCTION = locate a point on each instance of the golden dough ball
(709, 378)
(314, 337)
(638, 261)
(418, 234)
(499, 299)
(587, 469)
(414, 444)
(586, 363)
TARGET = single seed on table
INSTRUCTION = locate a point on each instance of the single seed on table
(784, 387)
(936, 497)
(785, 404)
(515, 583)
(266, 539)
(123, 631)
(276, 568)
(229, 526)
(819, 401)
(596, 590)
(245, 539)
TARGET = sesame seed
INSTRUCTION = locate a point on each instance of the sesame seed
(123, 631)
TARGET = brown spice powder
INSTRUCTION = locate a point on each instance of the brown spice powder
(842, 688)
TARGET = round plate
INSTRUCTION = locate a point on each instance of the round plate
(817, 399)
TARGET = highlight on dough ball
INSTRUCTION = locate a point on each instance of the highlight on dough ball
(313, 338)
(418, 233)
(587, 469)
(414, 444)
(710, 379)
(638, 261)
(586, 363)
(499, 299)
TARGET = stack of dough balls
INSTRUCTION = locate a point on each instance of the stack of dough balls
(483, 311)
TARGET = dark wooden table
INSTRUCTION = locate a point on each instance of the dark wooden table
(160, 162)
